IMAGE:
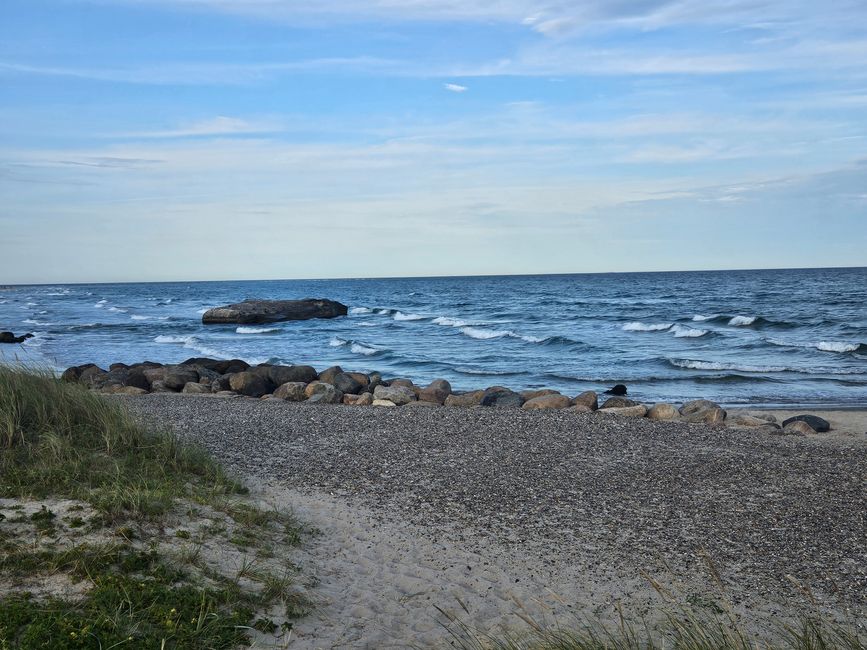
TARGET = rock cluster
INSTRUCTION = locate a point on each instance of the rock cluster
(273, 311)
(299, 383)
(9, 337)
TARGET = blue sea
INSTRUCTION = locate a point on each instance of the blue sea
(781, 337)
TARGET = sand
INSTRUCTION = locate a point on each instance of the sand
(497, 514)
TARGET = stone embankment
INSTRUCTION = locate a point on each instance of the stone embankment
(299, 383)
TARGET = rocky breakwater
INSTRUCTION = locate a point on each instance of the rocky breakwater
(301, 383)
(252, 312)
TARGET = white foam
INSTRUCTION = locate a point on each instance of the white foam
(163, 338)
(137, 317)
(256, 330)
(687, 332)
(475, 333)
(533, 339)
(644, 327)
(360, 310)
(201, 311)
(740, 321)
(700, 319)
(401, 316)
(449, 322)
(100, 304)
(358, 348)
(118, 309)
(31, 321)
(834, 346)
(366, 324)
(383, 312)
(716, 365)
(337, 342)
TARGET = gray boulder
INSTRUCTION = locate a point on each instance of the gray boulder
(273, 311)
(280, 375)
(500, 397)
(436, 392)
(663, 411)
(346, 384)
(248, 383)
(816, 423)
(177, 377)
(588, 398)
(618, 403)
(329, 374)
(398, 395)
(321, 393)
(292, 391)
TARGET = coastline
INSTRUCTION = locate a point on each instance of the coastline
(575, 507)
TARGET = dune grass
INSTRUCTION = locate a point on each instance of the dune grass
(58, 441)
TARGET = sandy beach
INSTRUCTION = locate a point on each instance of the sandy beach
(498, 514)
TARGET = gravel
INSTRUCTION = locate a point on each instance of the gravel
(586, 490)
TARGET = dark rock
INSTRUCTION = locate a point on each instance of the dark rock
(618, 389)
(280, 375)
(437, 391)
(272, 311)
(365, 399)
(401, 381)
(816, 423)
(118, 366)
(196, 389)
(73, 374)
(375, 379)
(179, 376)
(137, 379)
(248, 383)
(9, 337)
(500, 397)
(319, 392)
(346, 384)
(465, 400)
(205, 362)
(328, 374)
(618, 403)
(362, 379)
(231, 366)
(221, 383)
(93, 377)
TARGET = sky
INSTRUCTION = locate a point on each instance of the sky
(149, 140)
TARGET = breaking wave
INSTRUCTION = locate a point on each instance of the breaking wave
(360, 310)
(687, 332)
(401, 316)
(637, 326)
(742, 321)
(256, 330)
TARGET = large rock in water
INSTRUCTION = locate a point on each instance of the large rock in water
(273, 311)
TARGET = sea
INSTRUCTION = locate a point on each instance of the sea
(759, 338)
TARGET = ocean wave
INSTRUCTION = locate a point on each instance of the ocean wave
(687, 332)
(337, 342)
(742, 321)
(495, 373)
(32, 321)
(364, 324)
(118, 309)
(202, 311)
(700, 319)
(360, 310)
(401, 316)
(358, 348)
(100, 304)
(689, 364)
(450, 322)
(484, 335)
(256, 330)
(384, 312)
(637, 326)
(165, 338)
(192, 343)
(137, 317)
(834, 346)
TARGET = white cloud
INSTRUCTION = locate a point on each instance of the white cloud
(217, 126)
(455, 88)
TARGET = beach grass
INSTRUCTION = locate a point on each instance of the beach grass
(108, 532)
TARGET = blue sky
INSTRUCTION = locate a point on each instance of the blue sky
(218, 139)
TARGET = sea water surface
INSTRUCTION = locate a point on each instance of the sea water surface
(786, 337)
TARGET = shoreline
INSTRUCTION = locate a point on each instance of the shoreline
(575, 507)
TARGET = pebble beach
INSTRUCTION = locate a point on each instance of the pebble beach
(564, 512)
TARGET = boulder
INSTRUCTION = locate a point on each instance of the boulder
(365, 399)
(540, 392)
(280, 375)
(500, 397)
(638, 411)
(346, 384)
(329, 374)
(248, 383)
(221, 383)
(400, 381)
(111, 387)
(196, 389)
(291, 391)
(465, 400)
(546, 402)
(9, 337)
(398, 395)
(745, 420)
(154, 374)
(383, 402)
(205, 362)
(618, 403)
(118, 366)
(73, 374)
(798, 427)
(137, 379)
(132, 390)
(588, 398)
(820, 425)
(177, 377)
(231, 366)
(767, 417)
(362, 379)
(663, 411)
(710, 415)
(374, 380)
(93, 377)
(697, 405)
(618, 389)
(159, 387)
(325, 394)
(580, 408)
(436, 392)
(273, 311)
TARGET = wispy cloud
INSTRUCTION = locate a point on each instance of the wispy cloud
(455, 88)
(217, 126)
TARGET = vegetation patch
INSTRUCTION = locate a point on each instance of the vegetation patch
(115, 536)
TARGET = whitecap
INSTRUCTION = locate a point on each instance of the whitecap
(834, 346)
(533, 339)
(741, 321)
(256, 330)
(358, 348)
(475, 333)
(100, 304)
(644, 327)
(450, 322)
(337, 342)
(717, 365)
(118, 309)
(687, 332)
(163, 338)
(32, 321)
(360, 310)
(401, 316)
(201, 311)
(700, 319)
(383, 312)
(137, 317)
